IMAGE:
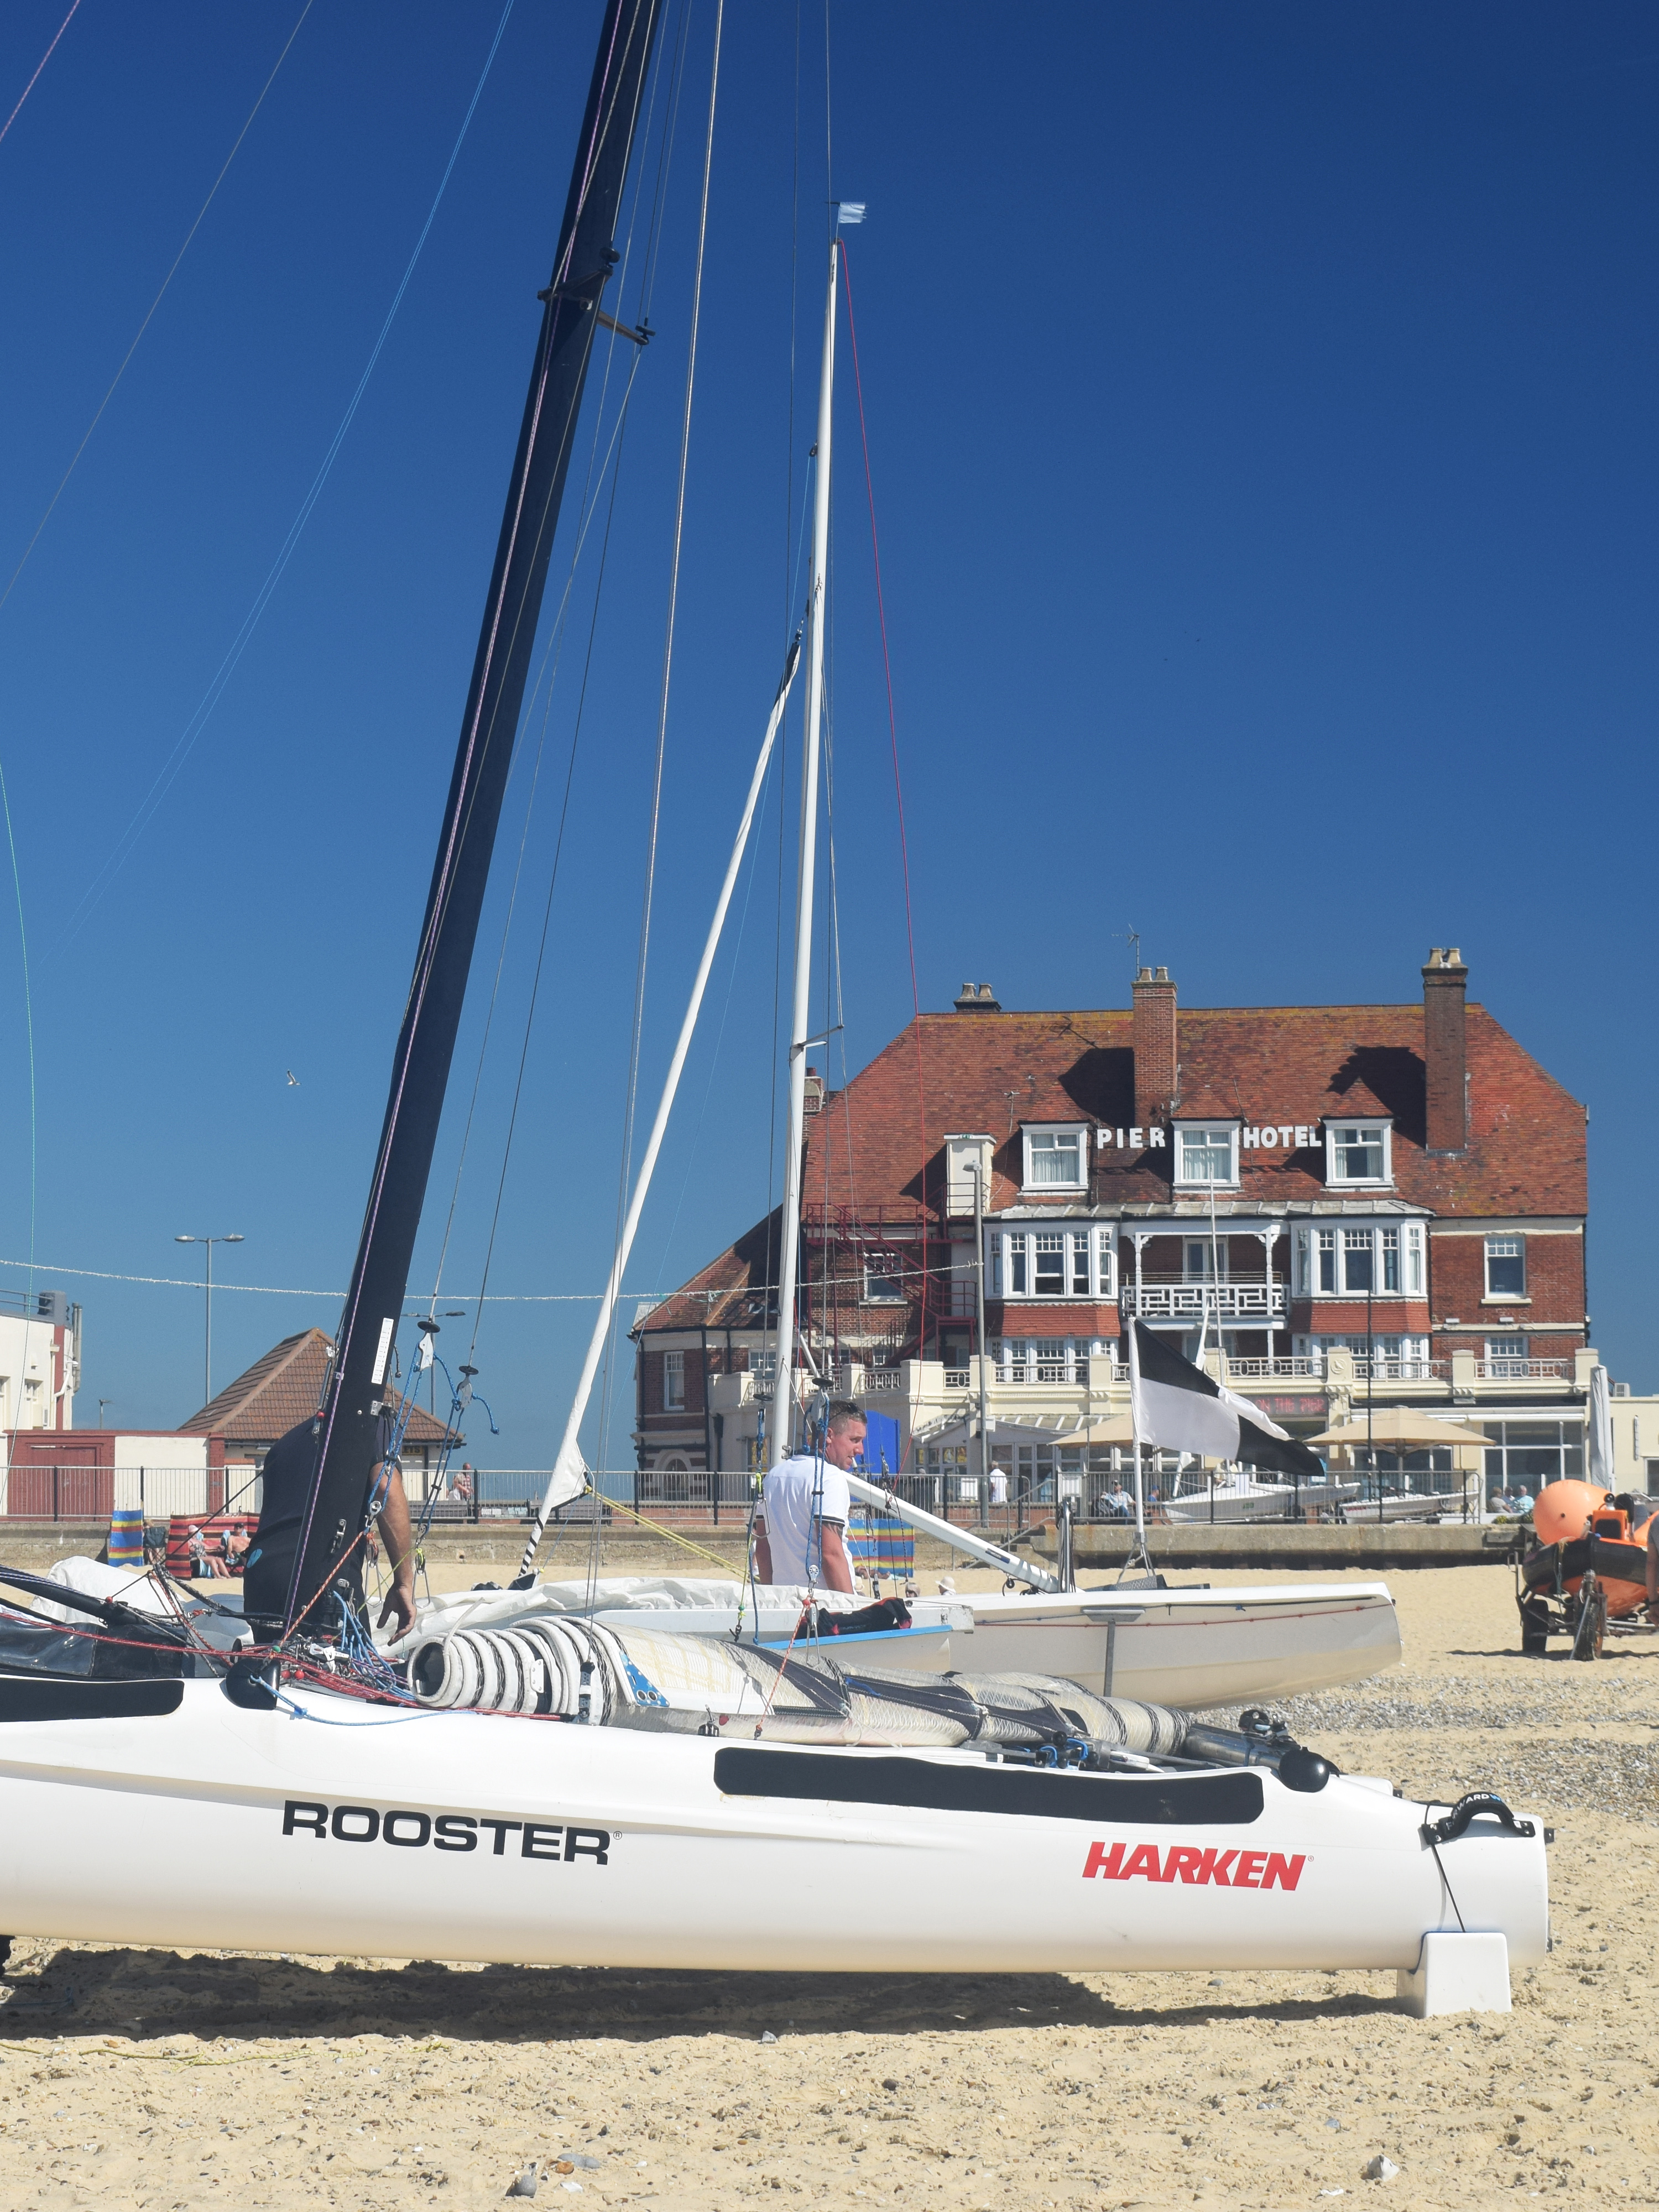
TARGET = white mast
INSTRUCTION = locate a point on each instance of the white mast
(783, 1400)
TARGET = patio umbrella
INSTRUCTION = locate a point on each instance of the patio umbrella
(1395, 1425)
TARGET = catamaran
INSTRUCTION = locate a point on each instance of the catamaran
(552, 1789)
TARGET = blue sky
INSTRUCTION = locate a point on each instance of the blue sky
(1260, 404)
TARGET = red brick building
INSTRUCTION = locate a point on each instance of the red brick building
(1390, 1199)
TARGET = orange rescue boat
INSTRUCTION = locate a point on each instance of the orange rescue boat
(1587, 1570)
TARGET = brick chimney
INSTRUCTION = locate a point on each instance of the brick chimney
(1445, 981)
(1154, 1044)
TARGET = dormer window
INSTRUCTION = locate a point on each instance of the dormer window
(1357, 1154)
(1205, 1154)
(1056, 1156)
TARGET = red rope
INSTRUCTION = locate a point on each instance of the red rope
(898, 788)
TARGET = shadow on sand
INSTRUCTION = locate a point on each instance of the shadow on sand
(145, 1996)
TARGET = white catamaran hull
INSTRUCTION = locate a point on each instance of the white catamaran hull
(1193, 1648)
(1189, 1649)
(329, 1825)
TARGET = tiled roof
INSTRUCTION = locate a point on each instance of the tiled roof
(1282, 1065)
(732, 1291)
(281, 1390)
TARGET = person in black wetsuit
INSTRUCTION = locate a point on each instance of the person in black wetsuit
(289, 1467)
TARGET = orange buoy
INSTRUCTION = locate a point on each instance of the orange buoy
(1562, 1511)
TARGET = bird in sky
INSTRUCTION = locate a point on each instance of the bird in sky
(293, 1080)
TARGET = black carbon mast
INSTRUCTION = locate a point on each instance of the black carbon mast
(349, 1427)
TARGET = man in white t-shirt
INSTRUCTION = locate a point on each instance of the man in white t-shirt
(804, 1508)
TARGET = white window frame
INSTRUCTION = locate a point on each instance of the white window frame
(1056, 1360)
(889, 1269)
(673, 1364)
(1368, 1127)
(1088, 1259)
(1519, 1252)
(1396, 1250)
(1047, 1132)
(1408, 1347)
(1201, 1244)
(1183, 1130)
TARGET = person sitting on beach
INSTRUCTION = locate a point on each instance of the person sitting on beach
(806, 1506)
(196, 1545)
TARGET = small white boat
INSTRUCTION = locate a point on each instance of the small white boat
(1194, 1648)
(1187, 1648)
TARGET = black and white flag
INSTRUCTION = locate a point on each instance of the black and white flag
(1178, 1407)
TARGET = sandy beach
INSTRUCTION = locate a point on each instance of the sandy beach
(159, 2079)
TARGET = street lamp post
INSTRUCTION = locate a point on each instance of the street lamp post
(207, 1356)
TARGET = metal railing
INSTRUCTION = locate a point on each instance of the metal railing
(1183, 1301)
(1094, 1369)
(1521, 1370)
(70, 1492)
(1399, 1371)
(1300, 1368)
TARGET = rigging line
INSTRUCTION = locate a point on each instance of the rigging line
(39, 66)
(556, 640)
(555, 652)
(632, 1097)
(664, 164)
(154, 305)
(668, 634)
(892, 731)
(171, 766)
(286, 1290)
(547, 909)
(477, 739)
(794, 295)
(752, 867)
(28, 1027)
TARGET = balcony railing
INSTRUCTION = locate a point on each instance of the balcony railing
(1301, 1369)
(889, 1378)
(1096, 1370)
(1262, 1302)
(1523, 1370)
(1399, 1371)
(956, 1378)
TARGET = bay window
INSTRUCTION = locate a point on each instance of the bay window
(1385, 1259)
(1076, 1262)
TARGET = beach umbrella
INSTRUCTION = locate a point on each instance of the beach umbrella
(1395, 1425)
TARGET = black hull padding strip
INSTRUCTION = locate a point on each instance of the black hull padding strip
(1617, 1563)
(23, 1698)
(1198, 1800)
